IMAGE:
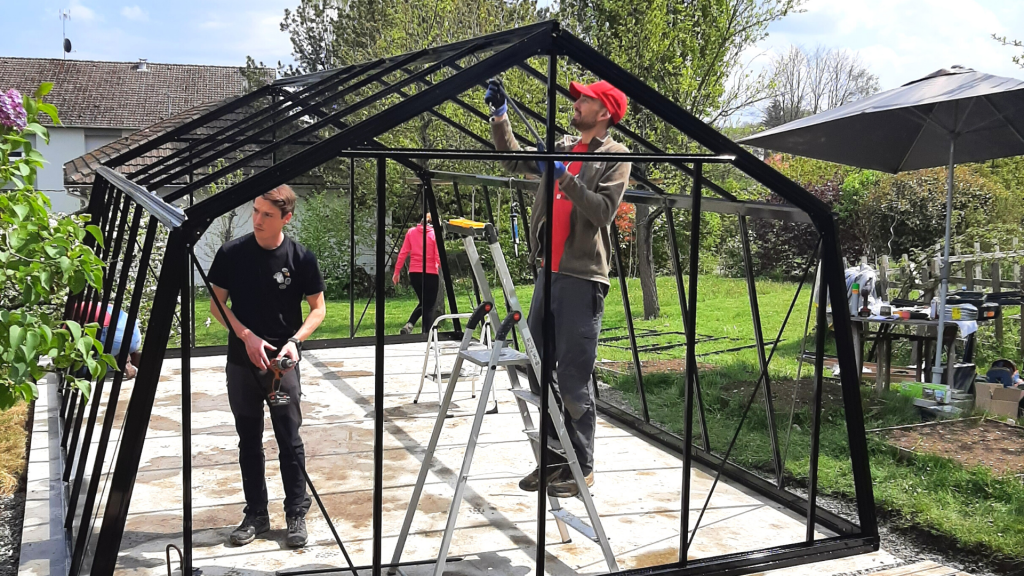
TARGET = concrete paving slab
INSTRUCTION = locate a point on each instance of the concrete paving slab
(636, 491)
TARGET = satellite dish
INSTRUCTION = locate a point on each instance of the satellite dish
(67, 45)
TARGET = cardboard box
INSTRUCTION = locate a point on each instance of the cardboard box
(1005, 401)
(1006, 408)
(983, 395)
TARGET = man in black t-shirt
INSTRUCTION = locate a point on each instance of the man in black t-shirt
(267, 275)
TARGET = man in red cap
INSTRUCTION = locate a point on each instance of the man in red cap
(587, 196)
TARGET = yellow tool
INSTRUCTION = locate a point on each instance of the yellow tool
(465, 223)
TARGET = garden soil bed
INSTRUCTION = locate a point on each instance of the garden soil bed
(990, 443)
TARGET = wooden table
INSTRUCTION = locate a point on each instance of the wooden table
(884, 338)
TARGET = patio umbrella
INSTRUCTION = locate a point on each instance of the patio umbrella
(950, 116)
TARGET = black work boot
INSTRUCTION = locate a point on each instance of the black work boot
(253, 524)
(296, 532)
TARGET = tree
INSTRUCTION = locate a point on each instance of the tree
(808, 82)
(43, 259)
(687, 50)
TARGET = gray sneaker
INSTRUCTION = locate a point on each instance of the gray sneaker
(407, 329)
(252, 525)
(296, 532)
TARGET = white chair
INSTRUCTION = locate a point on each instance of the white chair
(438, 348)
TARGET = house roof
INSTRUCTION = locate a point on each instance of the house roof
(80, 170)
(119, 95)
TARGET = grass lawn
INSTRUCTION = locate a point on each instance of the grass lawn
(723, 312)
(970, 505)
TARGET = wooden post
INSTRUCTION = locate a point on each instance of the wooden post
(968, 274)
(997, 287)
(883, 278)
(1020, 286)
(977, 262)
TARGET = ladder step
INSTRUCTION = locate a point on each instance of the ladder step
(527, 396)
(553, 443)
(572, 521)
(508, 357)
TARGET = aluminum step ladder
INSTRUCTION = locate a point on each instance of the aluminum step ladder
(436, 350)
(513, 361)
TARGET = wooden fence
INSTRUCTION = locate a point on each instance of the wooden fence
(995, 271)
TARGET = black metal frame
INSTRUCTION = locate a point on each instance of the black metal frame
(352, 108)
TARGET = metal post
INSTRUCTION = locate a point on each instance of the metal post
(490, 210)
(351, 247)
(526, 231)
(819, 377)
(134, 437)
(944, 285)
(111, 255)
(691, 362)
(442, 252)
(547, 357)
(140, 406)
(378, 388)
(186, 418)
(755, 313)
(620, 271)
(677, 271)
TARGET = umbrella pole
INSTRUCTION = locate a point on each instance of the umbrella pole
(944, 285)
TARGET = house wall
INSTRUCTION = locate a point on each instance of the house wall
(66, 144)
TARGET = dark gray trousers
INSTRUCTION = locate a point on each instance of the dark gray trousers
(576, 308)
(247, 392)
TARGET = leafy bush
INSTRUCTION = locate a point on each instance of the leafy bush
(43, 259)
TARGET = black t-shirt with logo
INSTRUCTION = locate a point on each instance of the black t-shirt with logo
(266, 289)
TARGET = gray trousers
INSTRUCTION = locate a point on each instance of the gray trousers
(576, 307)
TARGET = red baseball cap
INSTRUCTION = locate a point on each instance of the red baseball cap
(612, 98)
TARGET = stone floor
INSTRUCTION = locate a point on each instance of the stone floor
(637, 485)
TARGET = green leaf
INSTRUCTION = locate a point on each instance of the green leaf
(47, 333)
(65, 264)
(17, 335)
(75, 328)
(43, 90)
(110, 360)
(96, 233)
(31, 342)
(21, 210)
(53, 251)
(51, 111)
(85, 387)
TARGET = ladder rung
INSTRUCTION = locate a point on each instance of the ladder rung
(508, 357)
(534, 436)
(527, 396)
(575, 523)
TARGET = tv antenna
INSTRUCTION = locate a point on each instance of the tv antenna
(65, 15)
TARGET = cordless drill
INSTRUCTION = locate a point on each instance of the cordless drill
(279, 366)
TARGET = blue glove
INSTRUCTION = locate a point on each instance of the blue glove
(542, 165)
(496, 98)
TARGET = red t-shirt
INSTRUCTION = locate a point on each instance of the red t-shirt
(560, 221)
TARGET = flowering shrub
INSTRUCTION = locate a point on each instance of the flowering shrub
(43, 259)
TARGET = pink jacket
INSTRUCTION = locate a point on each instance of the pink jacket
(413, 248)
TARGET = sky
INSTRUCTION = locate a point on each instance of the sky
(898, 40)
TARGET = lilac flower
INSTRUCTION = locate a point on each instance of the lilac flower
(12, 112)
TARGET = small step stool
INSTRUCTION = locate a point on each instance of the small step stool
(436, 348)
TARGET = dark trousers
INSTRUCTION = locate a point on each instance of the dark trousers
(247, 392)
(576, 308)
(425, 286)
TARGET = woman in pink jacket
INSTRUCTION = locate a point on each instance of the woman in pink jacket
(422, 274)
